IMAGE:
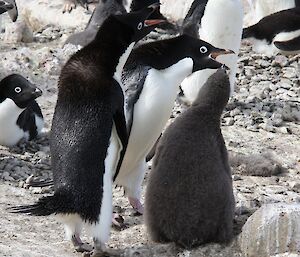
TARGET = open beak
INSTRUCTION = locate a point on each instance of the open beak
(148, 23)
(215, 54)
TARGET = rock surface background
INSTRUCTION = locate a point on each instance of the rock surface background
(262, 116)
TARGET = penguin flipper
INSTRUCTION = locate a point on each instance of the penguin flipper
(192, 20)
(289, 46)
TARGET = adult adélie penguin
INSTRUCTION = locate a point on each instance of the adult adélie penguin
(88, 136)
(220, 24)
(278, 32)
(151, 80)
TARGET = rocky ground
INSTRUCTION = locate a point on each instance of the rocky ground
(262, 120)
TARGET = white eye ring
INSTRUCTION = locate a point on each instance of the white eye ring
(203, 49)
(18, 90)
(140, 25)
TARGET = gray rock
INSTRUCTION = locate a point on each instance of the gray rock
(273, 229)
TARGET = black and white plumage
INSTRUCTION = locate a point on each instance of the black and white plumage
(88, 135)
(264, 8)
(220, 24)
(278, 32)
(104, 9)
(10, 7)
(151, 80)
(189, 198)
(20, 115)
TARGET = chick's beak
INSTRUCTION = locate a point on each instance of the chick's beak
(218, 52)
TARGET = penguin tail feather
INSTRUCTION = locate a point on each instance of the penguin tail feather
(44, 207)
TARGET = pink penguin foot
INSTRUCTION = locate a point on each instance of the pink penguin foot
(137, 205)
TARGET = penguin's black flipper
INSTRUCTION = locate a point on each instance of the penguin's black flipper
(297, 3)
(134, 84)
(120, 123)
(192, 20)
(290, 45)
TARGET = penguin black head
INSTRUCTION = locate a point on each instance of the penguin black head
(204, 54)
(141, 22)
(18, 89)
(215, 92)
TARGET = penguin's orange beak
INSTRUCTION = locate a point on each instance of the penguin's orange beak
(148, 23)
(215, 54)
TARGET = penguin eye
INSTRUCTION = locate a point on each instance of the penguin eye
(18, 90)
(140, 26)
(203, 49)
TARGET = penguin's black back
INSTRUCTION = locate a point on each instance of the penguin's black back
(89, 101)
(268, 27)
(189, 198)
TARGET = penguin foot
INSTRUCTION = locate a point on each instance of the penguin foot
(118, 221)
(137, 205)
(69, 6)
(79, 245)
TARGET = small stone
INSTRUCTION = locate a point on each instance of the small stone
(295, 186)
(236, 178)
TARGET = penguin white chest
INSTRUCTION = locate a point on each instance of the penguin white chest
(154, 107)
(10, 132)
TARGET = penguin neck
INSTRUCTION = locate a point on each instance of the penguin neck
(160, 54)
(122, 60)
(179, 70)
(9, 111)
(112, 46)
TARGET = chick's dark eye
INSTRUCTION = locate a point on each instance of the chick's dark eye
(140, 26)
(18, 90)
(203, 49)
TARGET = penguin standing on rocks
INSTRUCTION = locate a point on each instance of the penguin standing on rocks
(189, 198)
(104, 9)
(20, 115)
(221, 25)
(151, 78)
(278, 32)
(88, 136)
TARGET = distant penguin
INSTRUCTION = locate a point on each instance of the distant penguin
(189, 198)
(88, 135)
(221, 25)
(278, 32)
(264, 8)
(69, 5)
(20, 115)
(151, 79)
(10, 7)
(104, 9)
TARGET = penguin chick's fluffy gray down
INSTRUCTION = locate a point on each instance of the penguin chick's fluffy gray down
(189, 197)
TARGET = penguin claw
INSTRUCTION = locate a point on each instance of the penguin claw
(137, 205)
(83, 248)
(69, 6)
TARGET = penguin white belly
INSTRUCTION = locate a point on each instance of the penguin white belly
(10, 132)
(151, 113)
(262, 46)
(39, 122)
(221, 26)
